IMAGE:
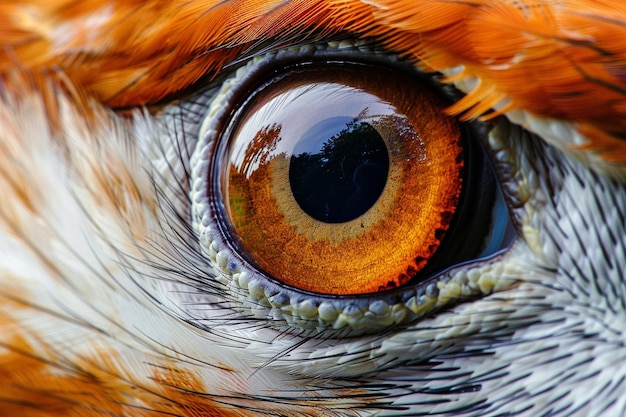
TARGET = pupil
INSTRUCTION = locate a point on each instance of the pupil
(338, 169)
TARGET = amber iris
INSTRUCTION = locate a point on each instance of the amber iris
(342, 180)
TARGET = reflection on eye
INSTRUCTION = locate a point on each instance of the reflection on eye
(340, 179)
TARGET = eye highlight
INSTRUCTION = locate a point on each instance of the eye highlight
(340, 179)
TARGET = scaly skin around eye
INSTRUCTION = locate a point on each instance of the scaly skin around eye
(109, 306)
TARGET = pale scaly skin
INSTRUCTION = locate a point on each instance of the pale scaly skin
(100, 257)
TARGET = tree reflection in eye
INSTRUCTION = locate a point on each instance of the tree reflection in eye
(344, 177)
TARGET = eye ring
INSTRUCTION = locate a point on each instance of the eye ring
(264, 295)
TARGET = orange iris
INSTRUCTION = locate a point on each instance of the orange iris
(342, 180)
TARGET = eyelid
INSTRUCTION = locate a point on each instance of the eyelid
(364, 313)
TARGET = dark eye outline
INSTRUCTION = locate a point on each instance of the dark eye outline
(300, 309)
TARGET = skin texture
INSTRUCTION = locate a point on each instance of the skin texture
(102, 255)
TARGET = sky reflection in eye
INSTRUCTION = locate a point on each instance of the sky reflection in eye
(301, 131)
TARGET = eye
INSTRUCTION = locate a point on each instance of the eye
(336, 173)
(340, 179)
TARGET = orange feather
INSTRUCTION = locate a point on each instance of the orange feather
(564, 60)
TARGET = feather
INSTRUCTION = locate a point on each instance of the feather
(109, 305)
(126, 53)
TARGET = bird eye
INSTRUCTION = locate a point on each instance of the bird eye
(340, 176)
(340, 179)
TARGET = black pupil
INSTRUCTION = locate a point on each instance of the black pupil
(338, 169)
